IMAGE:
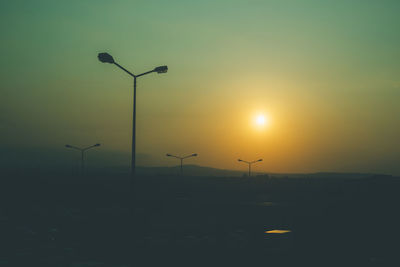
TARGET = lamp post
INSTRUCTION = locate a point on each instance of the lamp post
(82, 150)
(107, 58)
(181, 159)
(249, 162)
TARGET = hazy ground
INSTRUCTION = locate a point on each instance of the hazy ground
(208, 221)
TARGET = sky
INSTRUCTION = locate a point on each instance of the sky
(325, 74)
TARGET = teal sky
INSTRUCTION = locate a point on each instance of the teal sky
(325, 73)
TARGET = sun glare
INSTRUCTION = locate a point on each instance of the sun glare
(261, 120)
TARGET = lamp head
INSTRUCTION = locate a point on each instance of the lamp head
(240, 160)
(194, 155)
(161, 69)
(168, 155)
(97, 144)
(259, 160)
(105, 58)
(68, 146)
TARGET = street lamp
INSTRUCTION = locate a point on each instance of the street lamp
(82, 150)
(107, 58)
(249, 162)
(181, 158)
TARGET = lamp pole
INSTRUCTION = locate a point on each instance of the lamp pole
(249, 162)
(107, 58)
(82, 150)
(181, 159)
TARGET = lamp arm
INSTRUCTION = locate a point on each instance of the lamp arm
(74, 147)
(174, 156)
(144, 73)
(89, 147)
(122, 68)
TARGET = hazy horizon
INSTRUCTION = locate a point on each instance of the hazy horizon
(112, 161)
(325, 74)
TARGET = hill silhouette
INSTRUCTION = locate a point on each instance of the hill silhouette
(107, 162)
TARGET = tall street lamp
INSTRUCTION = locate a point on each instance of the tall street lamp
(181, 159)
(82, 150)
(107, 58)
(249, 162)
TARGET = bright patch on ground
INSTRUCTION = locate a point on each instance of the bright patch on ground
(277, 231)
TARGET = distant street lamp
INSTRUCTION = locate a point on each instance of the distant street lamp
(107, 58)
(181, 159)
(82, 150)
(249, 162)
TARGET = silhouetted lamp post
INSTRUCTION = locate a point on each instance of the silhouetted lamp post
(107, 58)
(249, 162)
(181, 158)
(82, 150)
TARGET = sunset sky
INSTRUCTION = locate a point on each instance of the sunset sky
(325, 74)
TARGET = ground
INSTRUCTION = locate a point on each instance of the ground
(206, 221)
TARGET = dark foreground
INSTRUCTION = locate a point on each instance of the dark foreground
(199, 221)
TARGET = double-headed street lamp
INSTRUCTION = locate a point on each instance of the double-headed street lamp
(249, 162)
(107, 58)
(82, 150)
(181, 158)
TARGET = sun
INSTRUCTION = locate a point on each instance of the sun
(260, 120)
